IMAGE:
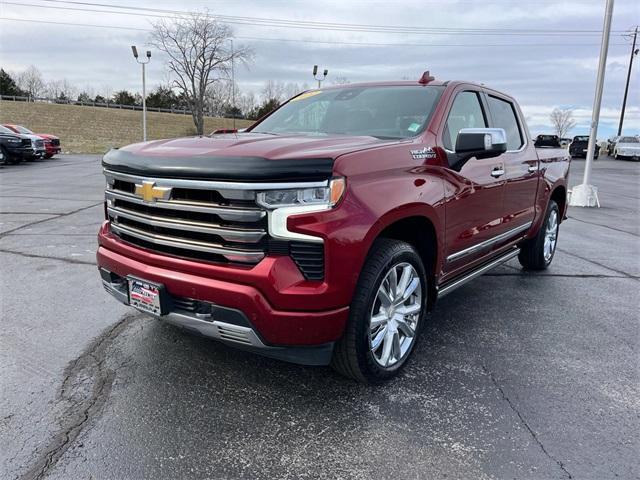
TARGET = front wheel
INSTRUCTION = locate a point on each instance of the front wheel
(537, 252)
(386, 315)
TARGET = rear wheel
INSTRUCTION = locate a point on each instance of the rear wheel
(386, 315)
(537, 252)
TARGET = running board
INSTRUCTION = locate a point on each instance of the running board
(460, 281)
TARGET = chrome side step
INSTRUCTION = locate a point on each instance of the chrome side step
(460, 281)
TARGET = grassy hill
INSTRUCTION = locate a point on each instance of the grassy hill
(95, 129)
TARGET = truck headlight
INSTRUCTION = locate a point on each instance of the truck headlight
(284, 203)
(315, 196)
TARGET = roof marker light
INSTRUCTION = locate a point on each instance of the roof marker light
(426, 78)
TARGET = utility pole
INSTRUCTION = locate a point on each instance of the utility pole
(634, 52)
(321, 79)
(144, 89)
(586, 195)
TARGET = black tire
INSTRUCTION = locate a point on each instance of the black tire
(353, 356)
(5, 155)
(533, 254)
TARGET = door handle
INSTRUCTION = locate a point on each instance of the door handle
(497, 172)
(533, 168)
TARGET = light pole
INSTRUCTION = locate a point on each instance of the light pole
(144, 90)
(585, 194)
(233, 86)
(634, 52)
(321, 79)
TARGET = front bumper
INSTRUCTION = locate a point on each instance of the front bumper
(632, 154)
(35, 153)
(52, 149)
(224, 324)
(297, 335)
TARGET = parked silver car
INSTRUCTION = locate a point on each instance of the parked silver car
(627, 147)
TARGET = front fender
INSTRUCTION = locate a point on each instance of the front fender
(372, 202)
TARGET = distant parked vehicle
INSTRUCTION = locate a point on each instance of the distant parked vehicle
(565, 142)
(547, 141)
(578, 147)
(14, 146)
(51, 142)
(627, 147)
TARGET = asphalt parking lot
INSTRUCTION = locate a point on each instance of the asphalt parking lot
(518, 375)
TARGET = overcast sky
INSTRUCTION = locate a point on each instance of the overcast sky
(541, 71)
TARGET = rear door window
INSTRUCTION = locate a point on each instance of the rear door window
(504, 116)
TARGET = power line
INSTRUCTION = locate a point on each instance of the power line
(368, 44)
(298, 24)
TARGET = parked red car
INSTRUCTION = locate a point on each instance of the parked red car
(51, 142)
(325, 232)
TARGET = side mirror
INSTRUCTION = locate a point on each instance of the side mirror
(481, 142)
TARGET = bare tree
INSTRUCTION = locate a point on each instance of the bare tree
(340, 80)
(273, 90)
(247, 103)
(31, 81)
(562, 121)
(60, 89)
(200, 53)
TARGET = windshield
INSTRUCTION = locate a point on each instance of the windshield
(581, 139)
(382, 112)
(628, 140)
(4, 129)
(22, 129)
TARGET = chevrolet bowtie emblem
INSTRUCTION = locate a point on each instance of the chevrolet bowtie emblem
(150, 193)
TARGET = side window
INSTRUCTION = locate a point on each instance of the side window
(504, 116)
(466, 112)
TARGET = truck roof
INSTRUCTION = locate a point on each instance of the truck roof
(394, 83)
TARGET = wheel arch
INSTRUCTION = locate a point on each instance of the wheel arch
(559, 195)
(420, 228)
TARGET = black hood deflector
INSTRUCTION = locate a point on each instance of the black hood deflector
(247, 169)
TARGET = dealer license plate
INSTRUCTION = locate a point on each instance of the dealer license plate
(146, 296)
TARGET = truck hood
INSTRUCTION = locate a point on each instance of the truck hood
(244, 156)
(257, 145)
(47, 136)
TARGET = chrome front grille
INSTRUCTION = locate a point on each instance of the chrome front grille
(216, 221)
(39, 143)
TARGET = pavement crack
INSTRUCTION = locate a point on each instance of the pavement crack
(84, 390)
(604, 226)
(37, 222)
(628, 275)
(59, 259)
(524, 422)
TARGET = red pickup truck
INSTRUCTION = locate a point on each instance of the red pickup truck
(325, 232)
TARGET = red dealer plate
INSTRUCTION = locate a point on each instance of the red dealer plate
(145, 296)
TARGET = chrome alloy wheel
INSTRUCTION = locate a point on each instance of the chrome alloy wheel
(550, 235)
(395, 314)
